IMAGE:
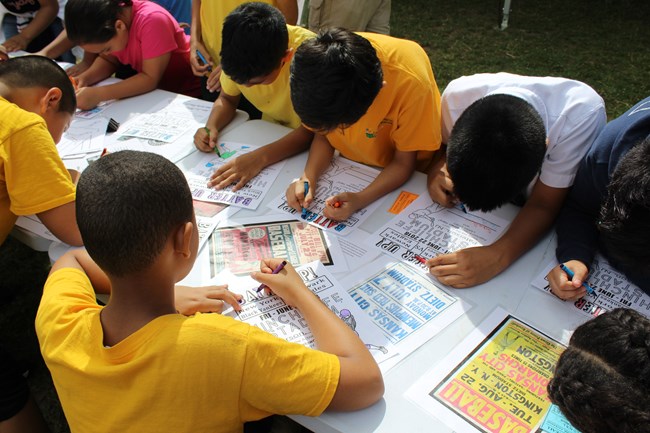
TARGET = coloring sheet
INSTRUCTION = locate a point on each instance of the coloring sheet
(343, 175)
(613, 290)
(355, 250)
(494, 380)
(405, 305)
(425, 229)
(249, 197)
(93, 112)
(239, 248)
(167, 130)
(83, 137)
(271, 314)
(34, 225)
(208, 218)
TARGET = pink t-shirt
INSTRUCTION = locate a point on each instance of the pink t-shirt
(154, 32)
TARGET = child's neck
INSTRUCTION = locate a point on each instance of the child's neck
(135, 301)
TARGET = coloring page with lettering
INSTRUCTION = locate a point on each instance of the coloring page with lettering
(494, 381)
(272, 314)
(612, 290)
(403, 303)
(342, 175)
(249, 196)
(425, 229)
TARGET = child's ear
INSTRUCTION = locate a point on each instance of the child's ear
(183, 239)
(120, 25)
(50, 101)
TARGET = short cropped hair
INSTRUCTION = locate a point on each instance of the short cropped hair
(39, 71)
(128, 203)
(254, 41)
(335, 77)
(602, 380)
(496, 147)
(92, 21)
(625, 214)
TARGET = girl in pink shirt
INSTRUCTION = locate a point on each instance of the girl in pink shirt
(138, 33)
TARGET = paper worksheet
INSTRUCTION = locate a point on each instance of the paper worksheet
(273, 315)
(494, 380)
(208, 218)
(613, 290)
(425, 229)
(168, 129)
(403, 303)
(83, 137)
(239, 248)
(342, 175)
(249, 196)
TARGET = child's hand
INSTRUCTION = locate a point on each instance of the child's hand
(439, 183)
(87, 98)
(287, 284)
(240, 170)
(3, 53)
(339, 207)
(205, 138)
(467, 267)
(295, 194)
(213, 84)
(78, 69)
(16, 43)
(205, 299)
(565, 288)
(199, 68)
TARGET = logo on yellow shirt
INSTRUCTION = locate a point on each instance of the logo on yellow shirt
(372, 134)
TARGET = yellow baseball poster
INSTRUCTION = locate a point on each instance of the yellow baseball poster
(500, 385)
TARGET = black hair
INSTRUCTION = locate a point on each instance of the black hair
(625, 214)
(254, 41)
(495, 149)
(92, 21)
(602, 380)
(335, 77)
(128, 203)
(39, 71)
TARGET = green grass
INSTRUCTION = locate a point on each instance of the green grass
(604, 43)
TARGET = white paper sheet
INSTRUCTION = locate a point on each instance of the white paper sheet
(425, 229)
(248, 197)
(403, 303)
(168, 129)
(613, 290)
(343, 175)
(271, 314)
(34, 225)
(83, 137)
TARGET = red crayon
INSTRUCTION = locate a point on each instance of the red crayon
(421, 260)
(337, 204)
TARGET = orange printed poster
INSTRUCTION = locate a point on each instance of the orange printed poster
(500, 385)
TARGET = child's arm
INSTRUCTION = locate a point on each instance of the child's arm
(360, 383)
(289, 9)
(223, 111)
(319, 158)
(247, 166)
(43, 18)
(62, 222)
(58, 46)
(188, 300)
(196, 43)
(142, 82)
(398, 171)
(102, 67)
(473, 266)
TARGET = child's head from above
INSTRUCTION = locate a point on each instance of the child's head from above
(335, 77)
(625, 214)
(57, 100)
(98, 26)
(602, 380)
(130, 207)
(495, 149)
(255, 44)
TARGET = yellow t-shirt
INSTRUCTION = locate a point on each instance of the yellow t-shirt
(213, 13)
(32, 176)
(273, 100)
(405, 115)
(202, 374)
